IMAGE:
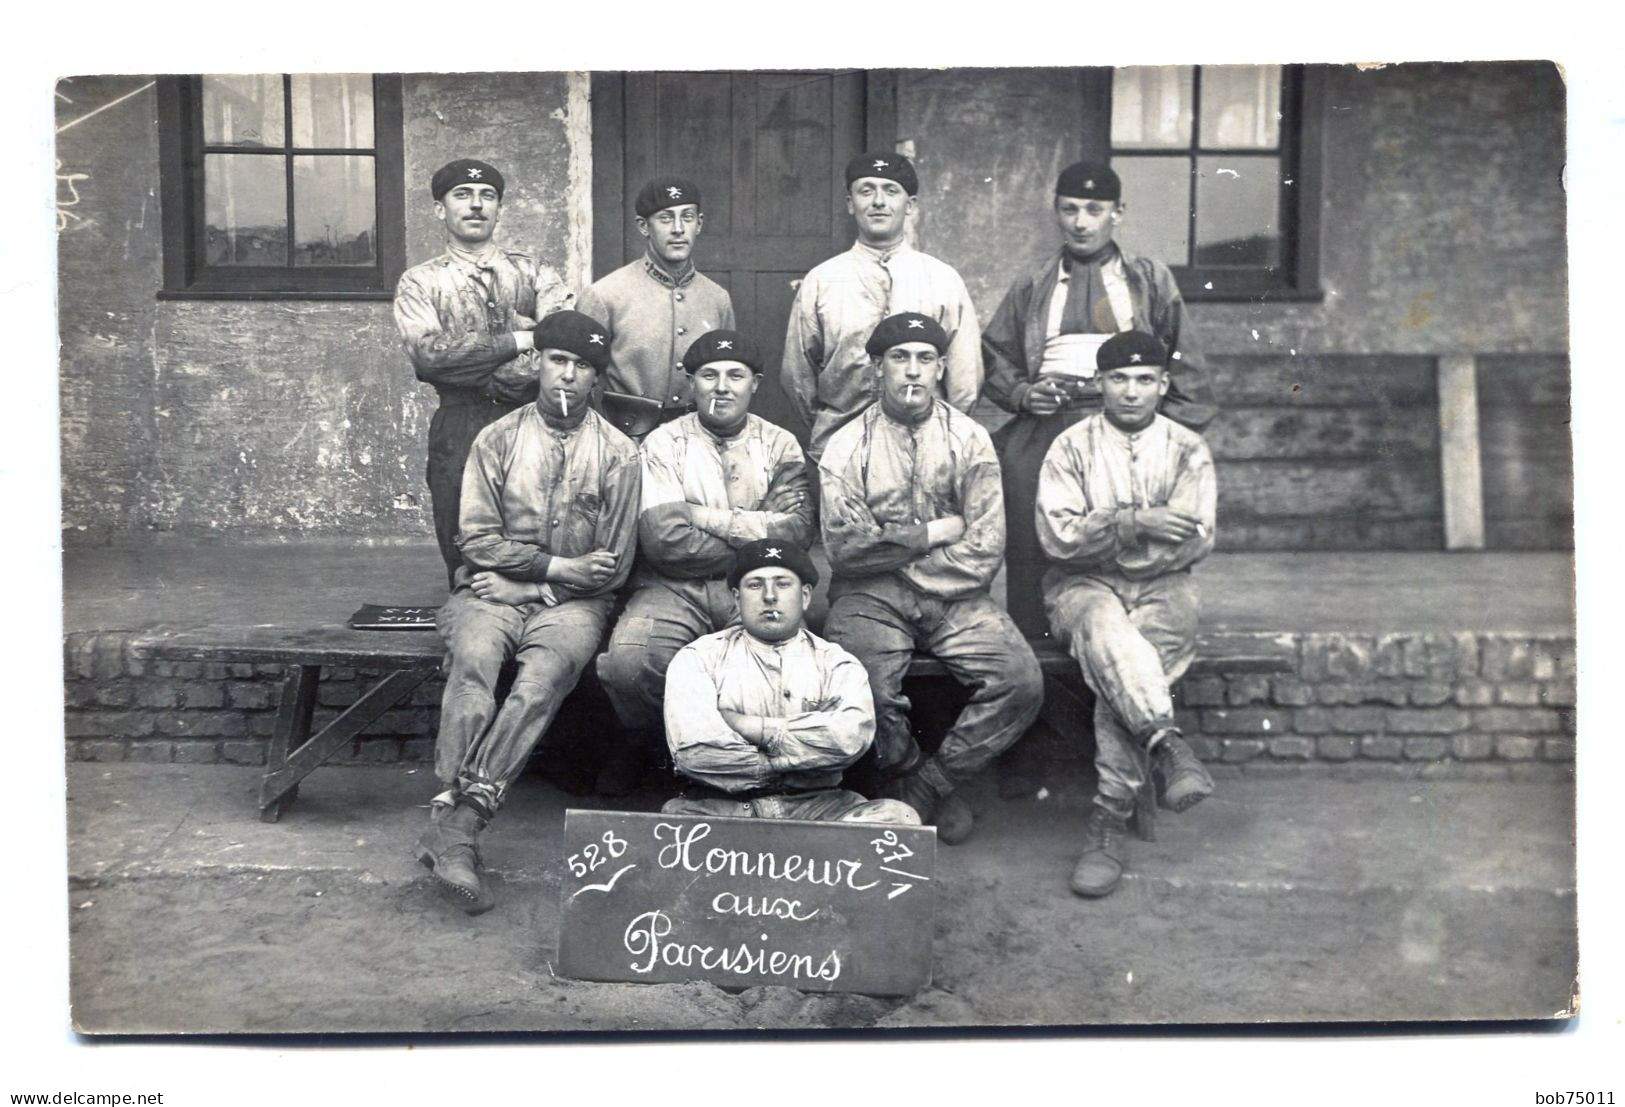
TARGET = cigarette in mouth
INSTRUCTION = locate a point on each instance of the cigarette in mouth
(713, 405)
(909, 390)
(564, 401)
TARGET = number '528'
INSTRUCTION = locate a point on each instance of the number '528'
(591, 856)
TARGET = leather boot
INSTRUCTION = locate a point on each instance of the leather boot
(950, 814)
(449, 848)
(1105, 853)
(1182, 780)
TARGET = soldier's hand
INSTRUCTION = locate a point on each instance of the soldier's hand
(588, 571)
(785, 499)
(496, 588)
(945, 531)
(1166, 523)
(1044, 397)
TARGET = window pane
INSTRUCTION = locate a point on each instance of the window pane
(334, 211)
(243, 111)
(1241, 106)
(1151, 106)
(332, 110)
(1237, 199)
(245, 209)
(1156, 195)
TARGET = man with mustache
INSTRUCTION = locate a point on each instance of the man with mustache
(465, 320)
(826, 372)
(713, 481)
(914, 526)
(1125, 508)
(1040, 353)
(549, 516)
(655, 307)
(764, 716)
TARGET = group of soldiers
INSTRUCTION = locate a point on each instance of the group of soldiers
(595, 470)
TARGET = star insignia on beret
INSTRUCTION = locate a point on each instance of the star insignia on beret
(880, 163)
(772, 551)
(725, 344)
(916, 324)
(474, 172)
(1135, 359)
(673, 191)
(1089, 183)
(596, 339)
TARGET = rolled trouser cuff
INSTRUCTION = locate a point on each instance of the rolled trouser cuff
(933, 774)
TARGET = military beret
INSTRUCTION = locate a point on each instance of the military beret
(1089, 180)
(910, 326)
(1129, 348)
(880, 163)
(665, 192)
(722, 346)
(772, 551)
(581, 335)
(464, 171)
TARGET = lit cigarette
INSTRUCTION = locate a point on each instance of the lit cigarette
(1201, 531)
(908, 391)
(564, 401)
(713, 405)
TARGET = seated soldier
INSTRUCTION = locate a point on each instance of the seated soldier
(713, 480)
(546, 533)
(1125, 508)
(914, 526)
(763, 717)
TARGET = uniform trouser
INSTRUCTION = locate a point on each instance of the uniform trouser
(451, 434)
(828, 806)
(883, 621)
(1133, 640)
(659, 620)
(1021, 445)
(476, 753)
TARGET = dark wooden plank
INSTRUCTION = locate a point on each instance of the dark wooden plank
(291, 645)
(322, 745)
(1253, 490)
(1324, 379)
(821, 907)
(1320, 433)
(1518, 379)
(292, 728)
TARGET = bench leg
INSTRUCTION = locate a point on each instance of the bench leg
(293, 715)
(282, 781)
(1145, 800)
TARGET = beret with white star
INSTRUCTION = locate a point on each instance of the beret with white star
(884, 163)
(722, 346)
(665, 192)
(1129, 348)
(1089, 180)
(464, 171)
(581, 335)
(910, 326)
(772, 551)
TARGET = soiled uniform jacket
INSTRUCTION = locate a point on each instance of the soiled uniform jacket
(884, 480)
(1013, 344)
(456, 320)
(814, 694)
(652, 320)
(1096, 477)
(532, 493)
(826, 372)
(703, 496)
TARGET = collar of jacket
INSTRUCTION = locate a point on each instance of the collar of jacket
(882, 256)
(658, 273)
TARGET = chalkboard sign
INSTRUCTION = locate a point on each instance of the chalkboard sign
(823, 907)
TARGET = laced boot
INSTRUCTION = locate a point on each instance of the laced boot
(1105, 852)
(449, 849)
(950, 814)
(1183, 780)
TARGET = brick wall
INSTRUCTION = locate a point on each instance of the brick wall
(1454, 704)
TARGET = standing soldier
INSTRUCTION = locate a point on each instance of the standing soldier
(826, 372)
(713, 481)
(915, 532)
(655, 307)
(1040, 352)
(549, 512)
(1125, 508)
(465, 319)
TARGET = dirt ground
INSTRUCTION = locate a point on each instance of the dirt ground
(1286, 898)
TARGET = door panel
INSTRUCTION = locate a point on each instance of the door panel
(767, 151)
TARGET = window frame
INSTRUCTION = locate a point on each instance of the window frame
(187, 276)
(1297, 276)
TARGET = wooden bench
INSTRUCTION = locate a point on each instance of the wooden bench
(413, 656)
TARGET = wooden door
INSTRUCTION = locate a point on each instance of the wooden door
(767, 151)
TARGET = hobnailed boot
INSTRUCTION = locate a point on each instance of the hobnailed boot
(950, 814)
(1184, 781)
(1105, 853)
(450, 850)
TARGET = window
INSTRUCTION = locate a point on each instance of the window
(1220, 174)
(282, 186)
